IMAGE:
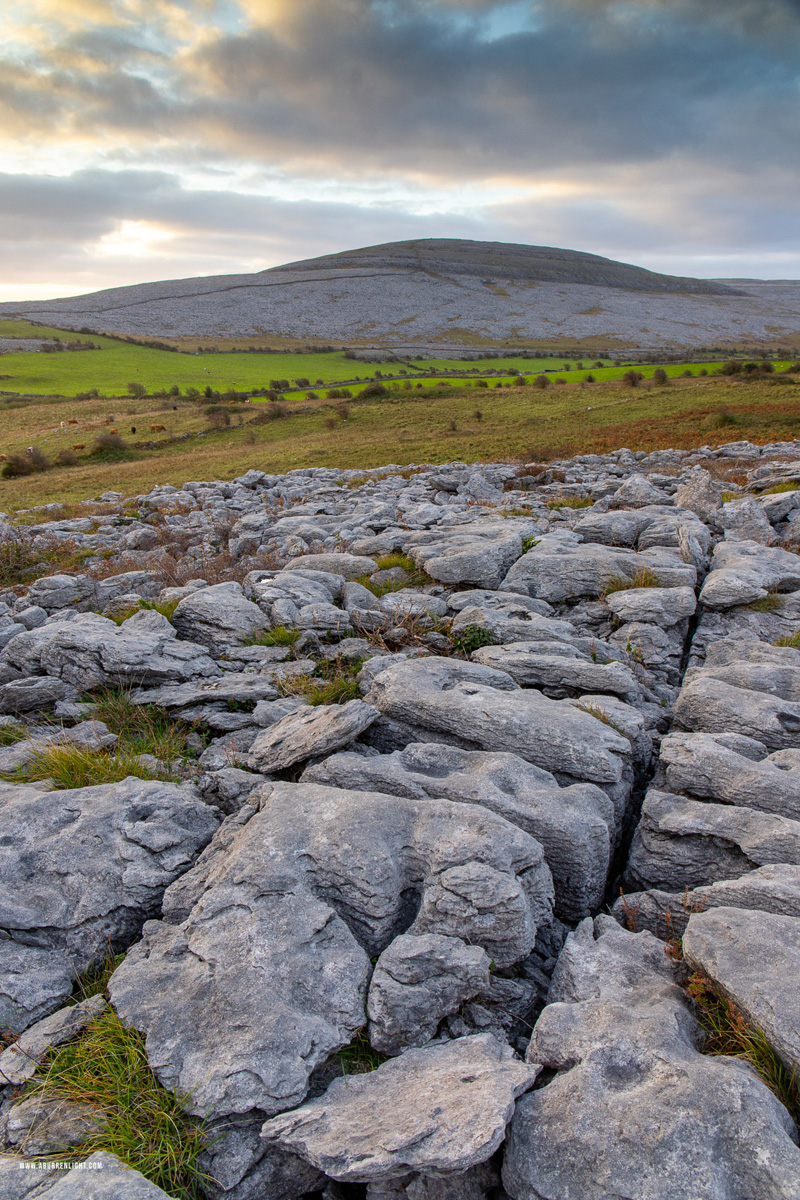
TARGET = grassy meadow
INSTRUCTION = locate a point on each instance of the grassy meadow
(110, 369)
(403, 427)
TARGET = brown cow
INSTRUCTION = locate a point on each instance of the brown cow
(72, 421)
(79, 446)
(157, 428)
(113, 431)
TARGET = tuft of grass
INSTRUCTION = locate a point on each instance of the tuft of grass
(571, 502)
(769, 603)
(141, 728)
(76, 767)
(790, 485)
(95, 981)
(417, 577)
(594, 710)
(645, 577)
(793, 640)
(333, 682)
(166, 608)
(728, 1034)
(472, 637)
(146, 1126)
(359, 1057)
(279, 635)
(11, 733)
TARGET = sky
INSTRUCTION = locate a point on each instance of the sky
(158, 139)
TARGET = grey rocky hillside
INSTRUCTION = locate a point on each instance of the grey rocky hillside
(471, 747)
(443, 293)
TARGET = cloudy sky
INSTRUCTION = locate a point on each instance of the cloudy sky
(151, 139)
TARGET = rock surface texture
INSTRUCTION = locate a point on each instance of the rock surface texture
(451, 770)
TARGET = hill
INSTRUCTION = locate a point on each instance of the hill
(444, 294)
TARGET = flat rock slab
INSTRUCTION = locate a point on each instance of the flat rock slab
(698, 764)
(309, 733)
(438, 1109)
(89, 650)
(634, 1109)
(477, 553)
(19, 1061)
(266, 944)
(561, 567)
(350, 566)
(655, 606)
(754, 959)
(483, 709)
(744, 571)
(708, 704)
(574, 824)
(80, 870)
(681, 843)
(99, 1177)
(230, 685)
(558, 674)
(773, 889)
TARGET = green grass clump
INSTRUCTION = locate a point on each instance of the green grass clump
(11, 733)
(594, 710)
(792, 640)
(791, 485)
(645, 577)
(76, 767)
(359, 1057)
(143, 1124)
(166, 608)
(141, 728)
(571, 502)
(277, 636)
(528, 543)
(729, 1034)
(769, 603)
(472, 637)
(334, 681)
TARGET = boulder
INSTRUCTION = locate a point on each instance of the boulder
(219, 616)
(80, 870)
(637, 491)
(753, 958)
(744, 571)
(89, 651)
(698, 764)
(656, 606)
(478, 553)
(238, 686)
(574, 824)
(265, 944)
(745, 520)
(349, 566)
(483, 709)
(707, 704)
(697, 493)
(682, 843)
(447, 1107)
(635, 1109)
(417, 981)
(309, 733)
(513, 623)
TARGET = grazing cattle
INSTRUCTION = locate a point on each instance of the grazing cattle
(72, 421)
(113, 431)
(157, 428)
(79, 446)
(2, 458)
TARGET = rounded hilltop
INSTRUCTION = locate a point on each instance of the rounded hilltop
(504, 260)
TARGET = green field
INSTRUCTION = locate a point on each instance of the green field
(110, 369)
